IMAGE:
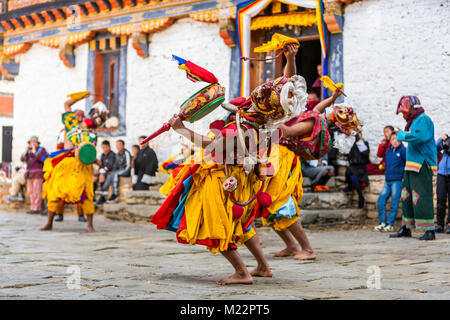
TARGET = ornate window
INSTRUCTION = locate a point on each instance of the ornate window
(107, 79)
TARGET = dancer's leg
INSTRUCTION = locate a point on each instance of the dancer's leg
(49, 225)
(299, 234)
(291, 247)
(262, 269)
(90, 222)
(241, 275)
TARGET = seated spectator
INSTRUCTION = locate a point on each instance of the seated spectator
(123, 168)
(378, 169)
(17, 185)
(108, 161)
(395, 160)
(443, 184)
(134, 152)
(34, 174)
(318, 171)
(145, 166)
(356, 175)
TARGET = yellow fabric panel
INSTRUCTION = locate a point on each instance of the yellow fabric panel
(208, 208)
(282, 224)
(281, 186)
(68, 180)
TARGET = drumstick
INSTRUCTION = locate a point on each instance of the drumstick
(165, 127)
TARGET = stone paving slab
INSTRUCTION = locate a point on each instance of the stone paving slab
(135, 261)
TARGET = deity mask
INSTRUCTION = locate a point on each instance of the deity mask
(345, 119)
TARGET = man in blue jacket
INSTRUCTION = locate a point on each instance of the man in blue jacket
(421, 164)
(443, 184)
(395, 160)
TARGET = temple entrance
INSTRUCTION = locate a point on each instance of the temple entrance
(309, 56)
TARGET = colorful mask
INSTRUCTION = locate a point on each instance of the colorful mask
(345, 119)
(266, 97)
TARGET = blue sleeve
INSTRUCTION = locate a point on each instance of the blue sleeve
(403, 153)
(421, 132)
(439, 145)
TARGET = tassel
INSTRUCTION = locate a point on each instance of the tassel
(238, 211)
(264, 199)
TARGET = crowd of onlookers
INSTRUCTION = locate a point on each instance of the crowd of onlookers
(139, 165)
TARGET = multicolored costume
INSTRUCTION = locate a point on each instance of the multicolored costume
(67, 178)
(285, 187)
(212, 202)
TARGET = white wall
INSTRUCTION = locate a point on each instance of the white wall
(395, 48)
(40, 91)
(155, 86)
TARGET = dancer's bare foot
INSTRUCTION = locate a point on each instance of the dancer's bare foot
(47, 227)
(237, 278)
(305, 255)
(286, 252)
(91, 229)
(261, 272)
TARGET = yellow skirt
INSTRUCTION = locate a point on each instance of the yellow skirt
(68, 181)
(287, 182)
(209, 208)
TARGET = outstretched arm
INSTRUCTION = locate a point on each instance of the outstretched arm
(197, 139)
(301, 129)
(322, 105)
(69, 103)
(291, 67)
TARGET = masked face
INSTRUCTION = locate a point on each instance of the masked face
(345, 119)
(266, 98)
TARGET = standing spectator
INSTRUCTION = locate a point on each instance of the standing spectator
(17, 184)
(317, 85)
(34, 175)
(373, 168)
(356, 175)
(395, 160)
(421, 161)
(312, 100)
(108, 161)
(145, 166)
(123, 168)
(443, 184)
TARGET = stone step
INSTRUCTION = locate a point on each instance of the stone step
(325, 200)
(329, 216)
(133, 213)
(149, 197)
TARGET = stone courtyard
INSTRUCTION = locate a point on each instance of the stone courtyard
(135, 261)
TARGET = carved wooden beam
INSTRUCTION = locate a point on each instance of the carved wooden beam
(62, 13)
(30, 20)
(67, 56)
(84, 9)
(119, 3)
(95, 6)
(51, 15)
(10, 25)
(20, 22)
(107, 3)
(40, 17)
